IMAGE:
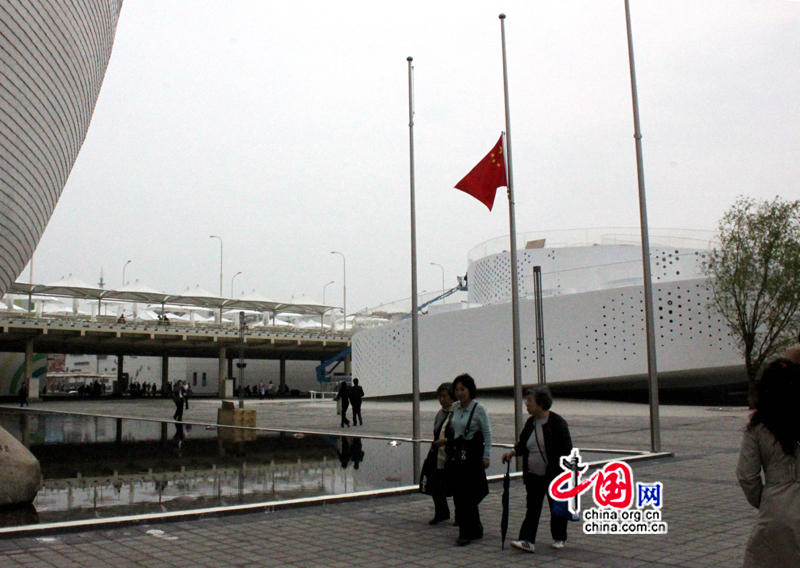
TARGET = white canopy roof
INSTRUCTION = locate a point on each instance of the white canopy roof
(72, 287)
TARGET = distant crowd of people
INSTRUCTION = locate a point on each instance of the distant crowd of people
(270, 391)
(138, 390)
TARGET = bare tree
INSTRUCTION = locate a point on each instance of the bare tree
(755, 278)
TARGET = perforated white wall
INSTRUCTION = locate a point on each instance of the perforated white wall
(571, 270)
(592, 335)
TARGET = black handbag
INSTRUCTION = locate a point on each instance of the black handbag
(465, 451)
(427, 478)
(467, 463)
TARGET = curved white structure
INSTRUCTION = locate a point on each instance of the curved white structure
(593, 323)
(53, 57)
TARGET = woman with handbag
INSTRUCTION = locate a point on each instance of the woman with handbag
(436, 470)
(470, 454)
(542, 442)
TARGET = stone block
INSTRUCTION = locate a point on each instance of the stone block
(236, 417)
(20, 473)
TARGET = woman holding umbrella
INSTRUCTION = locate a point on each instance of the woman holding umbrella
(542, 442)
(471, 450)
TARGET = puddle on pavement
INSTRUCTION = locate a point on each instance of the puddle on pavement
(95, 467)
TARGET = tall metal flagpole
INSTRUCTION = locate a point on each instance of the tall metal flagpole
(414, 309)
(518, 421)
(652, 372)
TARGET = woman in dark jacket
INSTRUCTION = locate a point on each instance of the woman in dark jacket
(542, 442)
(442, 432)
(473, 435)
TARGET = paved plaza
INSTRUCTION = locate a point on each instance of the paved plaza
(708, 517)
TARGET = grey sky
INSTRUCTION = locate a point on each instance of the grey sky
(284, 129)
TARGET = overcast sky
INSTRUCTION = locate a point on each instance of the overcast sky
(283, 128)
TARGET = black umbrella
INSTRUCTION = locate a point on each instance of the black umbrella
(506, 492)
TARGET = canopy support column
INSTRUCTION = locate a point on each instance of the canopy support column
(221, 386)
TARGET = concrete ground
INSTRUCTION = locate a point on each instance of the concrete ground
(708, 518)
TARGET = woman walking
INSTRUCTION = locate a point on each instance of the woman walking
(542, 442)
(471, 450)
(442, 433)
(770, 444)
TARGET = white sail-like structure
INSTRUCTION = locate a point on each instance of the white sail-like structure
(52, 62)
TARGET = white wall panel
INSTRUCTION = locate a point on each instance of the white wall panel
(571, 270)
(591, 335)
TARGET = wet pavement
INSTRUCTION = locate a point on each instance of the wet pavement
(708, 519)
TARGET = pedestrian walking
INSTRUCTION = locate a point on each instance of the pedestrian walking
(356, 394)
(471, 452)
(542, 442)
(178, 397)
(23, 395)
(770, 445)
(436, 468)
(344, 397)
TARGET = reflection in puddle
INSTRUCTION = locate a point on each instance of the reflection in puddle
(96, 467)
(103, 467)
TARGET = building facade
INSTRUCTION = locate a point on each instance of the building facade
(594, 330)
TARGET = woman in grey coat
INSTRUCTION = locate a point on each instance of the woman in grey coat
(770, 443)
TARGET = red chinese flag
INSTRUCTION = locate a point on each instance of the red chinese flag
(484, 179)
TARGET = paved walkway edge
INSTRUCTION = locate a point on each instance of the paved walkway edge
(46, 529)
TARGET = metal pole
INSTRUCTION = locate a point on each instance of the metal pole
(241, 364)
(220, 274)
(442, 268)
(414, 301)
(323, 291)
(344, 285)
(322, 316)
(518, 420)
(537, 294)
(652, 372)
(232, 279)
(30, 295)
(123, 273)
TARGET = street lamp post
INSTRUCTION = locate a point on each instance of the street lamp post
(232, 279)
(344, 285)
(322, 316)
(123, 272)
(323, 291)
(220, 272)
(442, 269)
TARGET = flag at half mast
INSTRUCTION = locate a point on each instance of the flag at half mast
(484, 179)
